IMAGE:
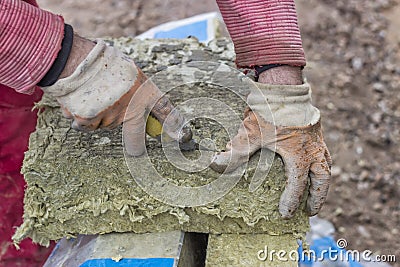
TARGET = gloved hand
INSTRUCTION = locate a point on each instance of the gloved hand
(291, 127)
(98, 92)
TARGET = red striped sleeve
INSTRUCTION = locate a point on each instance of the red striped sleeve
(263, 31)
(30, 39)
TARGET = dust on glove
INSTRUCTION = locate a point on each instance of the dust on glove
(97, 95)
(281, 118)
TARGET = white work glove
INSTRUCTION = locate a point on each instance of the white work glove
(290, 126)
(99, 91)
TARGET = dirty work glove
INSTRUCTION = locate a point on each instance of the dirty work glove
(99, 91)
(291, 127)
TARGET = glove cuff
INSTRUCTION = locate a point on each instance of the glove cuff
(280, 93)
(101, 79)
(284, 105)
(84, 72)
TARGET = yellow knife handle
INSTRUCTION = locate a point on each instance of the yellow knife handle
(153, 126)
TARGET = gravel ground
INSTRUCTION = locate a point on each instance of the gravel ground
(352, 49)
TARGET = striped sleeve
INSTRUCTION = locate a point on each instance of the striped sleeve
(30, 39)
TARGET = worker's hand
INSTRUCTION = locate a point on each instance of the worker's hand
(291, 127)
(98, 92)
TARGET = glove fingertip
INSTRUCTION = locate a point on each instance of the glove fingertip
(219, 163)
(80, 126)
(134, 150)
(75, 125)
(285, 215)
(286, 211)
(318, 192)
(315, 201)
(85, 125)
(66, 113)
(134, 135)
(312, 207)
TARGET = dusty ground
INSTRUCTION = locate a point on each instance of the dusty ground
(352, 49)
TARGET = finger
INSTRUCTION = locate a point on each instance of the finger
(328, 157)
(85, 125)
(134, 136)
(112, 120)
(239, 149)
(297, 175)
(66, 113)
(228, 161)
(320, 180)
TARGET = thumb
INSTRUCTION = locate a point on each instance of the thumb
(239, 149)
